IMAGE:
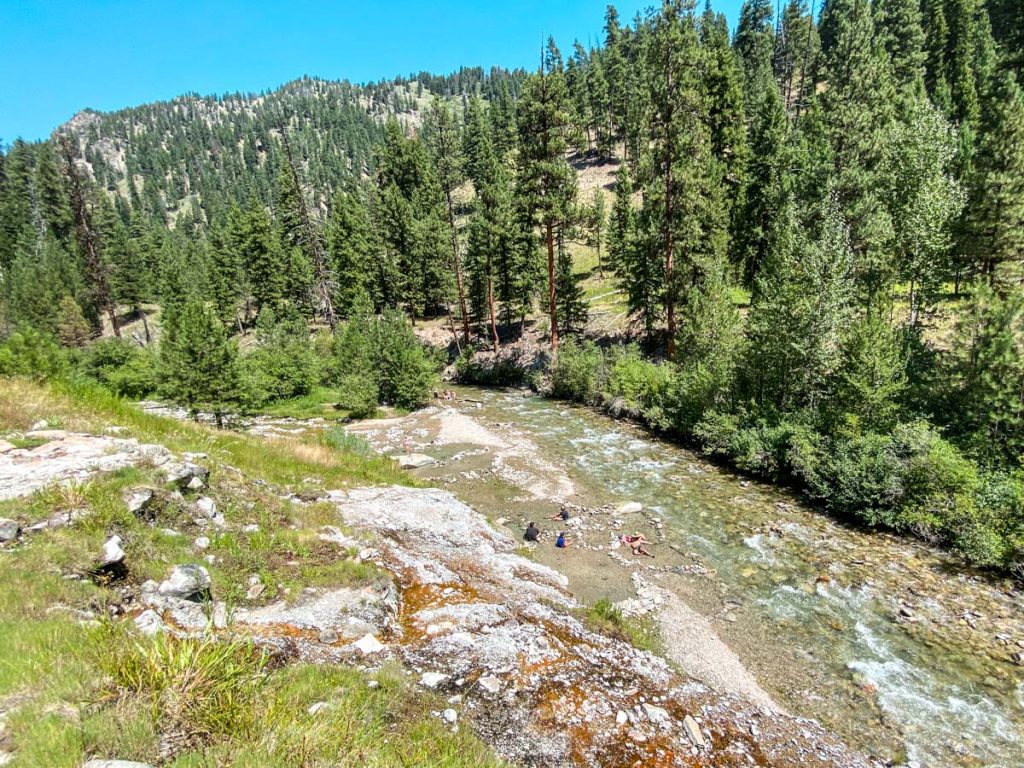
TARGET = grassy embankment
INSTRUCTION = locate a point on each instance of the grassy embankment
(76, 684)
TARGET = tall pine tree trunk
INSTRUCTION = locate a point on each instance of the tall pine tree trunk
(490, 306)
(670, 287)
(549, 236)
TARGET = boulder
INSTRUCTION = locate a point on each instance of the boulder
(450, 716)
(201, 543)
(41, 424)
(112, 552)
(46, 434)
(629, 508)
(413, 460)
(9, 529)
(6, 447)
(185, 474)
(185, 581)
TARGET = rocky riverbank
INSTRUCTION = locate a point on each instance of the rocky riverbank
(465, 613)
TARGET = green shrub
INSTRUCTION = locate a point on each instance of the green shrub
(341, 440)
(578, 371)
(643, 385)
(27, 352)
(380, 360)
(121, 366)
(284, 365)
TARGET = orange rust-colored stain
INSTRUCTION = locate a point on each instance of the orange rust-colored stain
(418, 597)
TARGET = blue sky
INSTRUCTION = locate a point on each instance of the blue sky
(63, 56)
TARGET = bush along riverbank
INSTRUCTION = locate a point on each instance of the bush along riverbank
(883, 470)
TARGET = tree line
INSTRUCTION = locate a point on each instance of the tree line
(817, 223)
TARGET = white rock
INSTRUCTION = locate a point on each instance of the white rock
(693, 731)
(185, 581)
(201, 543)
(6, 447)
(112, 551)
(432, 679)
(319, 706)
(206, 506)
(139, 499)
(251, 528)
(41, 424)
(328, 636)
(656, 714)
(490, 683)
(621, 718)
(196, 484)
(629, 508)
(115, 764)
(450, 716)
(369, 644)
(372, 684)
(9, 529)
(149, 623)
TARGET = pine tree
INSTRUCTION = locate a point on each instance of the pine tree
(989, 375)
(198, 362)
(899, 26)
(767, 183)
(95, 266)
(262, 255)
(994, 227)
(442, 135)
(546, 181)
(872, 376)
(572, 306)
(54, 206)
(73, 329)
(354, 253)
(304, 235)
(755, 44)
(802, 305)
(796, 54)
(684, 204)
(858, 110)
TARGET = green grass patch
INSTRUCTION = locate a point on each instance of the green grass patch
(643, 633)
(320, 403)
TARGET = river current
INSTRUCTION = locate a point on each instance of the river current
(889, 642)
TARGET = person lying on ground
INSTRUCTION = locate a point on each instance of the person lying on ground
(562, 514)
(532, 532)
(561, 543)
(637, 542)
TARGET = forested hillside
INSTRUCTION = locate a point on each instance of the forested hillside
(817, 223)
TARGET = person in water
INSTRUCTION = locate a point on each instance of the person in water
(532, 532)
(562, 514)
(637, 542)
(561, 543)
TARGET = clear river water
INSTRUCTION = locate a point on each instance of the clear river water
(887, 641)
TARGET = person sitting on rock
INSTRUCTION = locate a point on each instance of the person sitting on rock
(637, 542)
(562, 514)
(532, 532)
(561, 542)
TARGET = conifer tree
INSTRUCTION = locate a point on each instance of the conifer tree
(442, 135)
(95, 266)
(684, 203)
(547, 183)
(754, 44)
(198, 362)
(354, 253)
(858, 109)
(899, 26)
(994, 227)
(73, 329)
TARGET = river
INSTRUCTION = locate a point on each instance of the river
(888, 642)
